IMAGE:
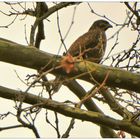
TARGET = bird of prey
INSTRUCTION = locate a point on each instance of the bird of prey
(92, 44)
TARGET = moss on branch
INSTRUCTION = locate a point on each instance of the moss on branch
(30, 57)
(95, 117)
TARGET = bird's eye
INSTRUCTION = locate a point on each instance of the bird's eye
(102, 25)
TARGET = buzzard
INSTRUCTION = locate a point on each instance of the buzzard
(92, 44)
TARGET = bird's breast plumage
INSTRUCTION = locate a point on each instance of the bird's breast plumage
(92, 44)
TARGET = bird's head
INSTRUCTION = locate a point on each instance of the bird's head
(102, 24)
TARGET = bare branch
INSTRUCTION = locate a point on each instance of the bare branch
(90, 116)
(103, 16)
(10, 127)
(59, 31)
(132, 10)
(57, 7)
(6, 26)
(71, 126)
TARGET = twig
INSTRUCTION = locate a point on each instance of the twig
(123, 25)
(115, 44)
(19, 77)
(26, 34)
(59, 31)
(94, 91)
(102, 16)
(2, 116)
(131, 9)
(19, 3)
(57, 7)
(6, 26)
(56, 122)
(72, 22)
(71, 126)
(30, 126)
(10, 127)
(40, 76)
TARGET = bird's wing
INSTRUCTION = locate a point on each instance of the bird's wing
(86, 41)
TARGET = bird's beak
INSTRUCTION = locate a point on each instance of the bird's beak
(110, 26)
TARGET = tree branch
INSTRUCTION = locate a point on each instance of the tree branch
(77, 113)
(17, 54)
(10, 127)
(56, 8)
(132, 10)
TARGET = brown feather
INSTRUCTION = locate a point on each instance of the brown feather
(91, 45)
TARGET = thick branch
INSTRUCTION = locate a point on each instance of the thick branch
(77, 113)
(78, 90)
(32, 58)
(132, 10)
(57, 7)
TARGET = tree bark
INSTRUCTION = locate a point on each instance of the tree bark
(95, 117)
(30, 57)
